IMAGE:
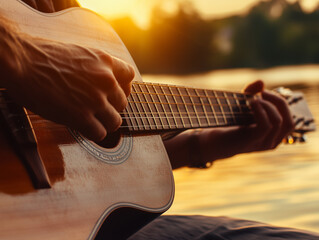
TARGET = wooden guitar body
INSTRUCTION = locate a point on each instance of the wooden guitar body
(55, 184)
(125, 186)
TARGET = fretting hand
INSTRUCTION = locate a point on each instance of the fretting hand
(273, 123)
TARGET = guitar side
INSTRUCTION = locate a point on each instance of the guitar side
(120, 185)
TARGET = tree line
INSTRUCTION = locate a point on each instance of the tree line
(272, 33)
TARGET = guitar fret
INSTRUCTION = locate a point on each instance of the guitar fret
(203, 120)
(212, 108)
(204, 108)
(230, 108)
(133, 119)
(143, 102)
(186, 106)
(221, 108)
(128, 119)
(156, 107)
(193, 108)
(179, 118)
(169, 105)
(238, 107)
(151, 106)
(183, 106)
(139, 109)
(165, 119)
(244, 104)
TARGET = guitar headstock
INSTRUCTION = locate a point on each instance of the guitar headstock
(304, 121)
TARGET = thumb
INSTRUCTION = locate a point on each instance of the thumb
(255, 87)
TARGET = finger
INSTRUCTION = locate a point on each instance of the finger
(255, 87)
(282, 106)
(263, 125)
(80, 118)
(275, 120)
(124, 74)
(112, 92)
(109, 118)
(118, 99)
(90, 127)
(103, 78)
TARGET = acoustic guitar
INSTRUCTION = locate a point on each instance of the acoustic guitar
(55, 184)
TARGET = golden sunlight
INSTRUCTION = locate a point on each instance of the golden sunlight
(140, 10)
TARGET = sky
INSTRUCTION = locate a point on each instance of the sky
(140, 10)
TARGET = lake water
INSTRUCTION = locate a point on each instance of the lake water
(279, 187)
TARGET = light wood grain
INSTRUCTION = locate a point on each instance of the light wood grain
(83, 187)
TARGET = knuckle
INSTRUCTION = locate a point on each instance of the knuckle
(112, 83)
(99, 100)
(106, 58)
(84, 115)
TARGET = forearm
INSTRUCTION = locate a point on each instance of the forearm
(197, 148)
(188, 150)
(177, 150)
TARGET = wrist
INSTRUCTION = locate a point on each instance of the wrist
(195, 156)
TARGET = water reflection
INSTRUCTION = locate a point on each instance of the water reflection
(279, 187)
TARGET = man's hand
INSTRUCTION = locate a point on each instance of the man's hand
(82, 88)
(273, 123)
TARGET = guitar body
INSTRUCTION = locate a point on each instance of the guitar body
(123, 186)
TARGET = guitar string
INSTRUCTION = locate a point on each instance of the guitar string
(195, 117)
(189, 88)
(140, 127)
(242, 97)
(158, 127)
(163, 126)
(160, 114)
(188, 104)
(236, 105)
(245, 97)
(215, 115)
(3, 104)
(134, 128)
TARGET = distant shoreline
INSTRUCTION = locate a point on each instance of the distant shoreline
(236, 78)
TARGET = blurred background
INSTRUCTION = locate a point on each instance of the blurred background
(225, 45)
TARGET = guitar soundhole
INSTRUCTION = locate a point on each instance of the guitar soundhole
(111, 140)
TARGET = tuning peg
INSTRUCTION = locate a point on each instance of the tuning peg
(302, 138)
(285, 92)
(290, 139)
(294, 138)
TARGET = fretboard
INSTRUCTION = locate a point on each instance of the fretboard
(158, 107)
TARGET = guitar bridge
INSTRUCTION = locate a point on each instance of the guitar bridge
(23, 139)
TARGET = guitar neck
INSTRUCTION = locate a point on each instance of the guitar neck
(161, 107)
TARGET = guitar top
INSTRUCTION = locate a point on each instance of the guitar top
(55, 184)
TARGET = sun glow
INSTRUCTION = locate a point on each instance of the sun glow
(140, 10)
